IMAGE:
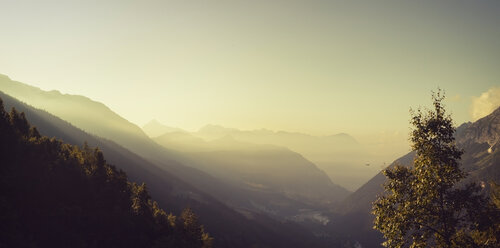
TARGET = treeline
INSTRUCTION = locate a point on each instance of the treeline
(54, 194)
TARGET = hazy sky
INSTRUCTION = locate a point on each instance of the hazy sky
(314, 66)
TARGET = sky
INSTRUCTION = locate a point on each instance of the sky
(320, 67)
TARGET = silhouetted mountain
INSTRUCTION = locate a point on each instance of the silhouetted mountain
(231, 228)
(95, 120)
(154, 129)
(183, 141)
(339, 155)
(91, 116)
(481, 160)
(57, 195)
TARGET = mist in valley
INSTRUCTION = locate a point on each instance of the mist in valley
(250, 124)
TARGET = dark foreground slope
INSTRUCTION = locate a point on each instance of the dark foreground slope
(230, 228)
(53, 194)
(480, 141)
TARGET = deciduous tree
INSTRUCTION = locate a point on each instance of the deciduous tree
(425, 205)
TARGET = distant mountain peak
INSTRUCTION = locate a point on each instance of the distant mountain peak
(216, 129)
(155, 128)
(154, 122)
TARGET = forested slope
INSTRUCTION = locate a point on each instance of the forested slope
(230, 228)
(54, 194)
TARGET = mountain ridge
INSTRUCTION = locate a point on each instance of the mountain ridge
(162, 161)
(171, 192)
(340, 155)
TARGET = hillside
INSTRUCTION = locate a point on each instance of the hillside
(94, 119)
(174, 193)
(57, 195)
(481, 160)
(264, 168)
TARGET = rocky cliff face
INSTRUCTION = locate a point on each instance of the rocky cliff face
(481, 143)
(485, 130)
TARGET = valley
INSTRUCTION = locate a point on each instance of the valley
(250, 124)
(240, 175)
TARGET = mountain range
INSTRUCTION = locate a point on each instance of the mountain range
(172, 183)
(346, 161)
(256, 188)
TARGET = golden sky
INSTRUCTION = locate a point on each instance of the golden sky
(319, 67)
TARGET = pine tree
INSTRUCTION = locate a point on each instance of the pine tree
(193, 230)
(190, 223)
(423, 205)
(495, 194)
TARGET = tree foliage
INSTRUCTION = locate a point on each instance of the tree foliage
(426, 205)
(54, 194)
